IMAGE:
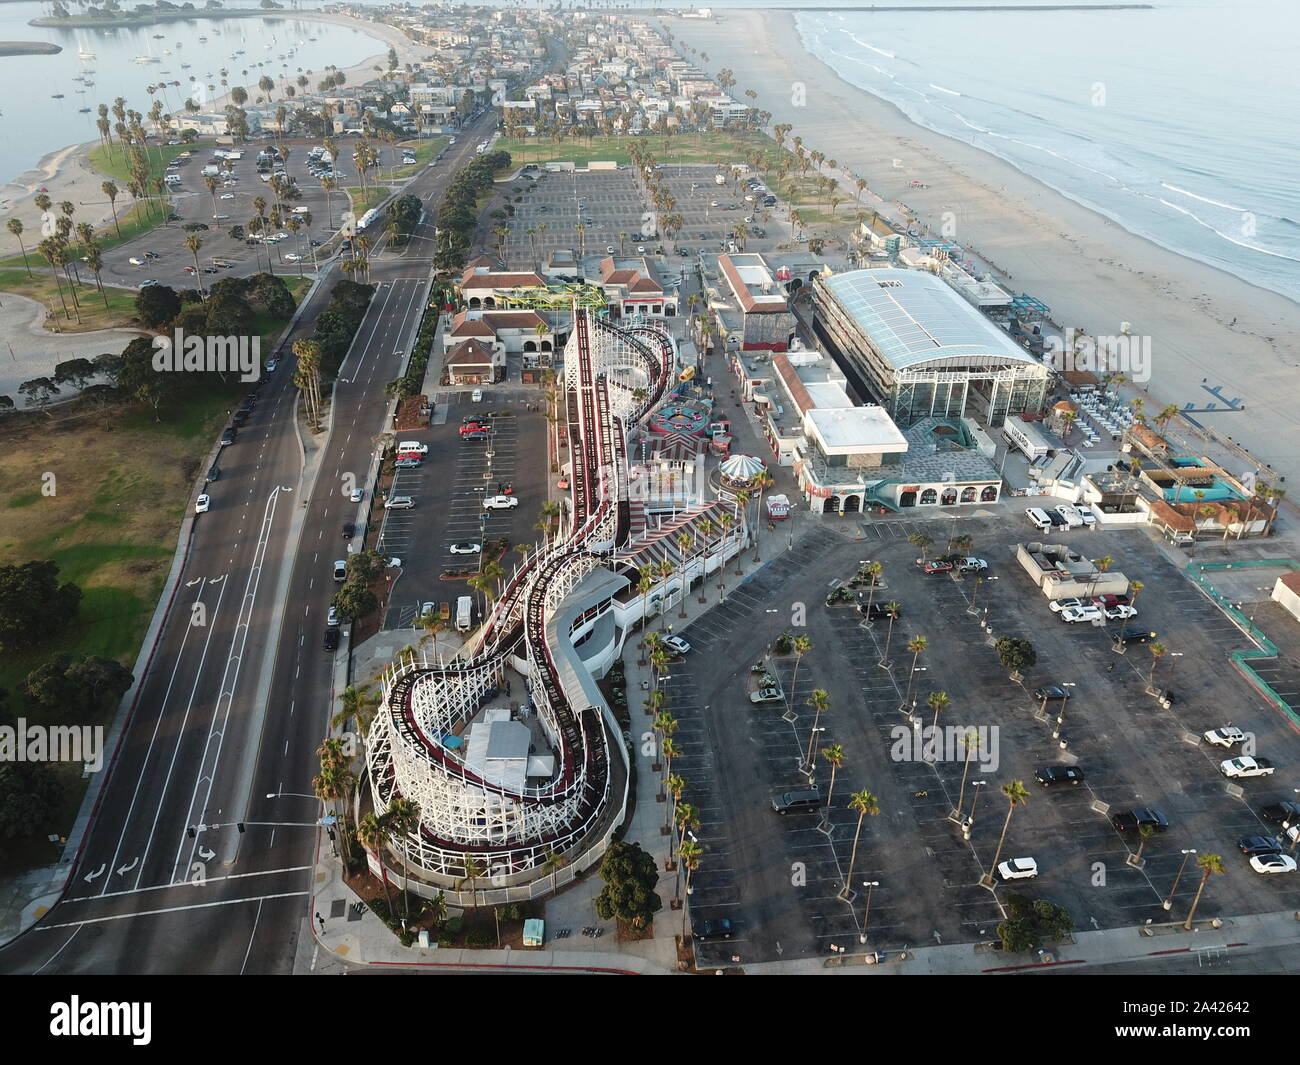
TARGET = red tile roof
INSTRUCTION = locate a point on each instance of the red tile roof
(748, 302)
(502, 279)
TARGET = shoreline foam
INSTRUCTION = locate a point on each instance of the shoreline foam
(1204, 322)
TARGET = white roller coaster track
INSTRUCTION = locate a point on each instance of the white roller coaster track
(475, 826)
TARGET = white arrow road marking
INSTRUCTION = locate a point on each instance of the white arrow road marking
(207, 855)
(124, 869)
(196, 580)
(91, 876)
(217, 580)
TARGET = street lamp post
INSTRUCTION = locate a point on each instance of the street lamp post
(771, 626)
(1060, 716)
(866, 912)
(1169, 902)
(975, 797)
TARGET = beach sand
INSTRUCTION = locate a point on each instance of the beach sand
(67, 174)
(1090, 271)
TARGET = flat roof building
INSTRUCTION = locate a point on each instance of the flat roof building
(909, 340)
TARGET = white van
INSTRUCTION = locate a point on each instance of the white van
(1038, 518)
(464, 613)
(412, 447)
(399, 503)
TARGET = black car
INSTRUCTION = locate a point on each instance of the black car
(1280, 813)
(1253, 845)
(878, 612)
(349, 530)
(1132, 820)
(1059, 774)
(239, 418)
(711, 928)
(194, 227)
(331, 638)
(1133, 635)
(214, 472)
(152, 255)
(228, 437)
(1052, 693)
(1056, 519)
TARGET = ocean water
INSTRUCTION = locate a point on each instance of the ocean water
(33, 123)
(1178, 122)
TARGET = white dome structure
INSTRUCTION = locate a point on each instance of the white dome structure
(741, 469)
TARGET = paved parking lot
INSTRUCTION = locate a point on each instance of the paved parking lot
(607, 203)
(777, 878)
(192, 201)
(449, 489)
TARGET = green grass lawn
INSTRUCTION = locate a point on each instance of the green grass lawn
(424, 151)
(111, 526)
(92, 315)
(364, 201)
(132, 221)
(111, 161)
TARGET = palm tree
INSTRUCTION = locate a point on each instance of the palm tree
(95, 263)
(374, 833)
(866, 804)
(474, 868)
(552, 863)
(915, 645)
(1158, 651)
(333, 785)
(893, 607)
(971, 743)
(15, 226)
(1134, 587)
(674, 785)
(706, 528)
(1017, 795)
(834, 755)
(1145, 832)
(922, 541)
(194, 242)
(359, 703)
(872, 570)
(403, 818)
(820, 701)
(111, 191)
(802, 645)
(1208, 865)
(685, 541)
(938, 702)
(689, 851)
(687, 818)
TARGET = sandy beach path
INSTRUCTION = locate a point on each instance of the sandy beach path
(1204, 324)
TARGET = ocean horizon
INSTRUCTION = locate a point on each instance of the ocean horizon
(1143, 116)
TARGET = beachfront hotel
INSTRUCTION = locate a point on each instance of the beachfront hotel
(911, 342)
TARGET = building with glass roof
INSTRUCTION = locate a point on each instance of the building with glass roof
(909, 340)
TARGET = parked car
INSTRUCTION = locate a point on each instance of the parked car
(228, 437)
(1059, 774)
(676, 645)
(332, 616)
(1057, 605)
(1086, 513)
(500, 502)
(971, 565)
(349, 530)
(340, 570)
(1259, 845)
(1273, 863)
(1018, 869)
(795, 801)
(1232, 768)
(707, 929)
(934, 565)
(331, 642)
(1052, 693)
(474, 426)
(1134, 635)
(1076, 614)
(1280, 813)
(214, 472)
(201, 504)
(356, 495)
(476, 396)
(399, 503)
(1225, 736)
(1072, 517)
(1132, 820)
(408, 463)
(766, 695)
(1110, 600)
(1122, 612)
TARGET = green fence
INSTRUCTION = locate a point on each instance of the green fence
(1265, 648)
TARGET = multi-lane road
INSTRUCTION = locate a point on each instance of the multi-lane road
(238, 691)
